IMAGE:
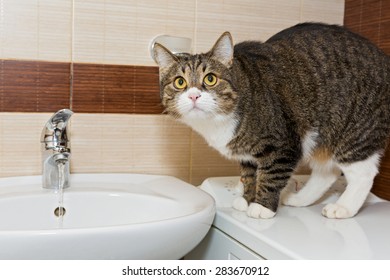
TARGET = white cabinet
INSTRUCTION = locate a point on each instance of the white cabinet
(219, 246)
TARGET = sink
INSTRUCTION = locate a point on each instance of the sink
(106, 216)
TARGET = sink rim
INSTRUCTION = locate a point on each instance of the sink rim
(20, 183)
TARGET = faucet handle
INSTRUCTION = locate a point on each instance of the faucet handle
(54, 133)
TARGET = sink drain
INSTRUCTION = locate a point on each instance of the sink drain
(59, 211)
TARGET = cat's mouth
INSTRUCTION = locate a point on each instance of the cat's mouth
(196, 112)
(196, 108)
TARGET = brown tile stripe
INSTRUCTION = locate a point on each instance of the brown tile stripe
(36, 86)
(371, 19)
(382, 180)
(101, 88)
(33, 86)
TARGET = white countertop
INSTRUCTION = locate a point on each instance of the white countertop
(303, 233)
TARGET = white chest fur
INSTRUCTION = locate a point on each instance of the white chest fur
(218, 133)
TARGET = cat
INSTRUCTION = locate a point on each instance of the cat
(313, 92)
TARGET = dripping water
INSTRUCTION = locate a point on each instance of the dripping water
(60, 210)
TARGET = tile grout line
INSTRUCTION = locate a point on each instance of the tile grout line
(71, 74)
(195, 27)
(37, 68)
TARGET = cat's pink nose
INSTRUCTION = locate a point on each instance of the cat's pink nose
(194, 96)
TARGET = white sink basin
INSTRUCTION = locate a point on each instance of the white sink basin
(108, 216)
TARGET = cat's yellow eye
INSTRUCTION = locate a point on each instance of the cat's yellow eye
(210, 80)
(180, 83)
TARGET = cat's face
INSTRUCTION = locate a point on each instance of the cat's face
(195, 87)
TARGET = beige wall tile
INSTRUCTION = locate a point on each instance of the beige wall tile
(20, 147)
(245, 19)
(104, 31)
(329, 11)
(89, 30)
(130, 143)
(19, 29)
(36, 29)
(259, 20)
(120, 31)
(55, 30)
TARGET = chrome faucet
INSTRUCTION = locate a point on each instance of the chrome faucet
(56, 151)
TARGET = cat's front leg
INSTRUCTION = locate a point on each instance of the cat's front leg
(248, 182)
(272, 176)
(266, 199)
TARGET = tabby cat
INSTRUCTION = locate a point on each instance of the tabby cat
(313, 92)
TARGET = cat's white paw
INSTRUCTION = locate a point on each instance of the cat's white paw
(258, 211)
(292, 199)
(240, 204)
(336, 211)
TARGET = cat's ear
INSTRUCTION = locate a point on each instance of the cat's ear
(163, 57)
(223, 49)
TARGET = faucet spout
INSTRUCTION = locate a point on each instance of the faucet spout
(54, 133)
(56, 150)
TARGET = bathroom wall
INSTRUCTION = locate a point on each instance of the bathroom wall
(92, 56)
